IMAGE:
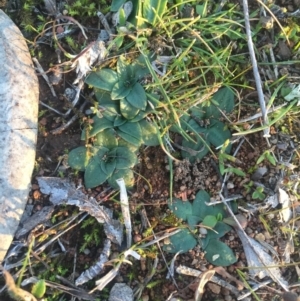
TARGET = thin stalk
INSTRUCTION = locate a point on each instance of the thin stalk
(260, 93)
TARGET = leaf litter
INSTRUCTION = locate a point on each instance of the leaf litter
(64, 192)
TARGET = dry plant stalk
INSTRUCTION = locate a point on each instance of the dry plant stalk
(15, 292)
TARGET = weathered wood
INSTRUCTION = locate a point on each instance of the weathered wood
(19, 93)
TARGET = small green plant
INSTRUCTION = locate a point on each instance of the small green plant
(100, 164)
(147, 11)
(223, 157)
(92, 235)
(123, 86)
(119, 127)
(248, 186)
(216, 252)
(203, 126)
(267, 155)
(39, 289)
(259, 193)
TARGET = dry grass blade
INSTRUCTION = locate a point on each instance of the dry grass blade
(204, 278)
(261, 97)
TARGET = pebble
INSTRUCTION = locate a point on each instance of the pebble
(86, 251)
(182, 188)
(260, 236)
(249, 230)
(203, 231)
(231, 237)
(36, 194)
(35, 186)
(230, 185)
(228, 298)
(137, 238)
(216, 289)
(225, 291)
(145, 298)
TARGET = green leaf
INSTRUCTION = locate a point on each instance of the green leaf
(236, 171)
(150, 134)
(122, 17)
(119, 120)
(127, 110)
(195, 125)
(218, 134)
(130, 139)
(107, 138)
(39, 289)
(220, 230)
(219, 254)
(193, 220)
(125, 158)
(202, 210)
(94, 176)
(271, 158)
(133, 148)
(137, 97)
(109, 108)
(122, 67)
(197, 113)
(133, 129)
(182, 241)
(100, 154)
(222, 100)
(99, 125)
(126, 174)
(117, 42)
(141, 115)
(152, 9)
(180, 209)
(193, 150)
(209, 221)
(108, 167)
(260, 159)
(120, 90)
(116, 4)
(104, 79)
(140, 67)
(79, 157)
(225, 99)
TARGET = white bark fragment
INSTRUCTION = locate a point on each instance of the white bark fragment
(19, 96)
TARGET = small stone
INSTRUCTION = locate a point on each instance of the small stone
(216, 289)
(137, 238)
(35, 187)
(86, 251)
(228, 298)
(230, 185)
(182, 188)
(260, 236)
(267, 235)
(145, 298)
(231, 237)
(36, 194)
(203, 231)
(225, 291)
(249, 230)
(194, 262)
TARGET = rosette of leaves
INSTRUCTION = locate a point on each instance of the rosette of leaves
(111, 129)
(203, 127)
(102, 164)
(210, 217)
(123, 85)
